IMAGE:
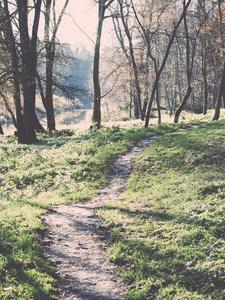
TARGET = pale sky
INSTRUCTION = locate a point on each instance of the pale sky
(85, 14)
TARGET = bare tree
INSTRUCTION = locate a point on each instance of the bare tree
(171, 40)
(103, 5)
(50, 48)
(29, 67)
(133, 61)
(10, 46)
(189, 67)
(220, 94)
(147, 36)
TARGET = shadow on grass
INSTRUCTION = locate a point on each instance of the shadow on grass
(168, 263)
(28, 272)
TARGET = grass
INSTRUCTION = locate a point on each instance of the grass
(168, 227)
(64, 167)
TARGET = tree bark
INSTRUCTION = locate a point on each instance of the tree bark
(205, 103)
(29, 67)
(182, 105)
(1, 129)
(96, 118)
(219, 97)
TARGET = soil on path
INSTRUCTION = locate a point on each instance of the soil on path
(77, 248)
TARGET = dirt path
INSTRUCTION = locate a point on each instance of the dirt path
(77, 248)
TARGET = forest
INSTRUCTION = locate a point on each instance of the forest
(112, 161)
(165, 55)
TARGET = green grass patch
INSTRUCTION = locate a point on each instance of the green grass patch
(168, 227)
(63, 167)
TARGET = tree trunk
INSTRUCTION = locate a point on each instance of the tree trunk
(29, 68)
(50, 57)
(182, 105)
(48, 93)
(50, 49)
(96, 119)
(1, 129)
(10, 43)
(37, 125)
(158, 105)
(219, 97)
(28, 135)
(223, 98)
(205, 103)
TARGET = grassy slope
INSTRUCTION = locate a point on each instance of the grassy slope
(168, 228)
(34, 178)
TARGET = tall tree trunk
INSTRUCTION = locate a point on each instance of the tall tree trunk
(29, 67)
(219, 97)
(48, 91)
(205, 103)
(96, 119)
(28, 135)
(158, 105)
(49, 48)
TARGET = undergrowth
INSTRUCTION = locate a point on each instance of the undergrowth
(63, 167)
(168, 227)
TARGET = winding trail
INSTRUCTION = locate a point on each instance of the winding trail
(77, 248)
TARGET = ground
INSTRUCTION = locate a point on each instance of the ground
(78, 248)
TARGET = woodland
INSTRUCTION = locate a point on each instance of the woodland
(74, 112)
(165, 55)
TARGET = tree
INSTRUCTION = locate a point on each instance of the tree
(171, 39)
(189, 66)
(1, 129)
(138, 105)
(148, 36)
(103, 5)
(220, 94)
(29, 67)
(50, 48)
(9, 44)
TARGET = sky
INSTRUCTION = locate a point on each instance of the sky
(84, 14)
